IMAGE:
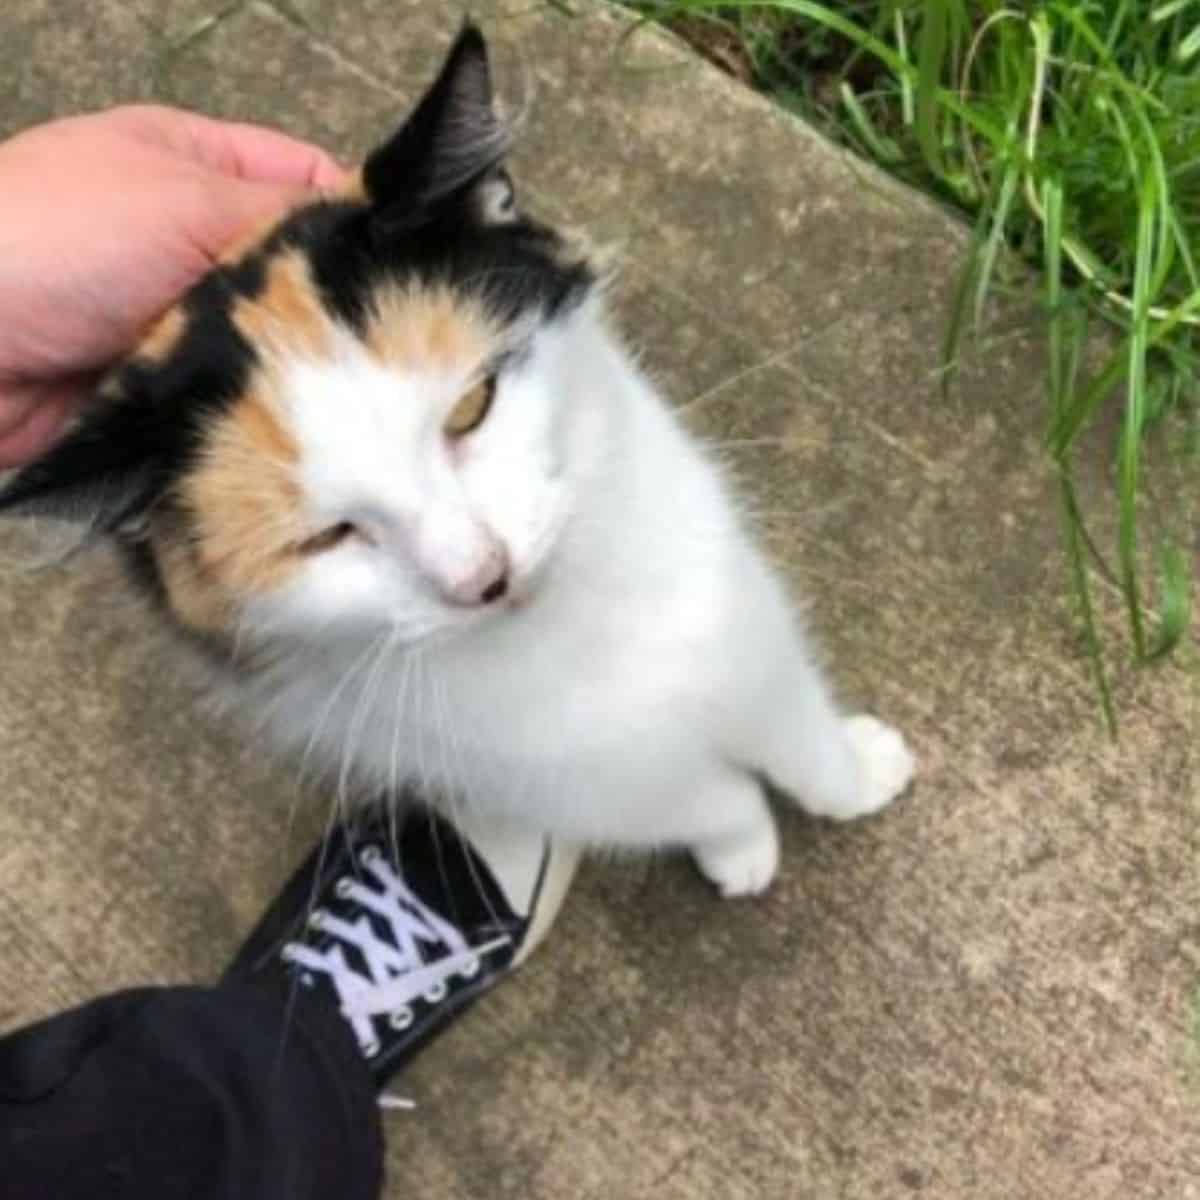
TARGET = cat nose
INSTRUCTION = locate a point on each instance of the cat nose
(486, 583)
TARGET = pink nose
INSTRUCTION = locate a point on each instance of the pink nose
(486, 584)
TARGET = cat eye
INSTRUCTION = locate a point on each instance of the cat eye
(470, 411)
(327, 539)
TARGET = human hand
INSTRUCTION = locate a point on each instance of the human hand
(105, 220)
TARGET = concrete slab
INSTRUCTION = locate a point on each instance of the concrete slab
(987, 992)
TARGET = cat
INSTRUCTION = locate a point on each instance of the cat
(392, 468)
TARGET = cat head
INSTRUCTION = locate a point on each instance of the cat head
(360, 420)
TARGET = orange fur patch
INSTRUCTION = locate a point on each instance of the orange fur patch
(354, 187)
(287, 315)
(244, 501)
(159, 343)
(413, 327)
(196, 599)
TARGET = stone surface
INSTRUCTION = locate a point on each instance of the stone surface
(989, 991)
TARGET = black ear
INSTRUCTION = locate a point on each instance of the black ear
(452, 139)
(104, 474)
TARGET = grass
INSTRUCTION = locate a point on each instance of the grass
(1069, 134)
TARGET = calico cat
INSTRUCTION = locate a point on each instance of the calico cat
(392, 467)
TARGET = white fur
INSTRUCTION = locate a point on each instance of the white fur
(644, 675)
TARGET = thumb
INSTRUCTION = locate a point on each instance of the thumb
(247, 211)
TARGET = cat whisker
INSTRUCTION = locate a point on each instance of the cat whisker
(816, 513)
(737, 377)
(448, 792)
(785, 442)
(327, 710)
(393, 776)
(309, 906)
(458, 798)
(362, 713)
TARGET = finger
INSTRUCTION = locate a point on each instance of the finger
(242, 213)
(261, 155)
(41, 414)
(251, 152)
(15, 406)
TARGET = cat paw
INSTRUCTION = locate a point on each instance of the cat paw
(885, 765)
(741, 866)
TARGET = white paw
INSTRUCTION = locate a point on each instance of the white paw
(885, 765)
(741, 866)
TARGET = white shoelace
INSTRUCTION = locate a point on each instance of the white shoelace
(397, 973)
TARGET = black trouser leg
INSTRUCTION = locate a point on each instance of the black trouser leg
(226, 1093)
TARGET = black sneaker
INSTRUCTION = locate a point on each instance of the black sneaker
(404, 920)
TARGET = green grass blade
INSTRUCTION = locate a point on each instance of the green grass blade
(956, 323)
(931, 53)
(1174, 601)
(1079, 408)
(1072, 520)
(907, 101)
(1060, 371)
(1129, 450)
(995, 240)
(881, 146)
(1189, 47)
(1052, 206)
(827, 17)
(1164, 12)
(1164, 255)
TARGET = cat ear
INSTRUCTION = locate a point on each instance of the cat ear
(104, 474)
(451, 140)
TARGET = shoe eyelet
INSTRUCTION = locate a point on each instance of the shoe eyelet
(316, 918)
(371, 1049)
(470, 970)
(288, 953)
(368, 855)
(401, 1019)
(341, 889)
(436, 994)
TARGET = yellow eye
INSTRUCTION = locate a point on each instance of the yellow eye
(470, 411)
(335, 535)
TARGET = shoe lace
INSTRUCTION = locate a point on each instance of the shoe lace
(397, 969)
